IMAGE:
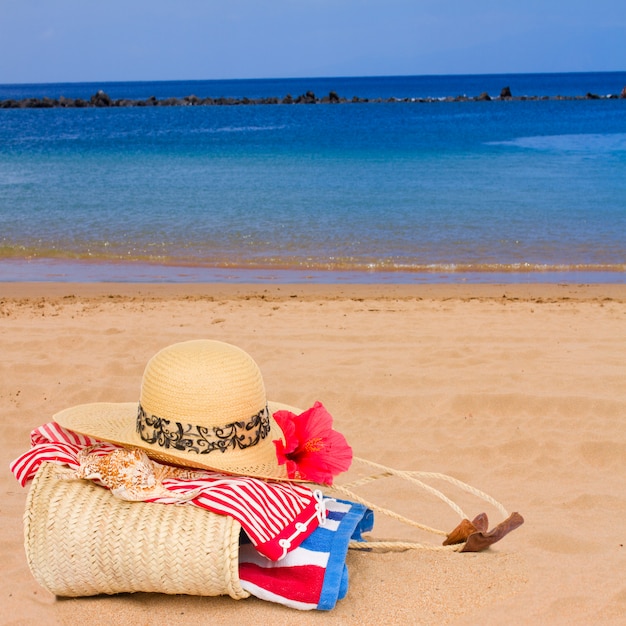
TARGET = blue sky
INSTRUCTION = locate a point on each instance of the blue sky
(118, 40)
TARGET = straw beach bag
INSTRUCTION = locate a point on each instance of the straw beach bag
(80, 540)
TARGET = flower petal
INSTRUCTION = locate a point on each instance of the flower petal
(313, 451)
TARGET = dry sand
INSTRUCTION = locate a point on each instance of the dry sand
(519, 390)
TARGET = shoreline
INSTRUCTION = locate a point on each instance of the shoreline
(84, 271)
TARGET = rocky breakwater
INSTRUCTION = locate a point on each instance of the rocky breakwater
(103, 100)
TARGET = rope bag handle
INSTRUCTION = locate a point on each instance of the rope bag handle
(416, 478)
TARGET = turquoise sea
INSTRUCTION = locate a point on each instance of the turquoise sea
(385, 191)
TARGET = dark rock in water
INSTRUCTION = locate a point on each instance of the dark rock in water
(171, 102)
(47, 103)
(307, 98)
(101, 99)
(44, 103)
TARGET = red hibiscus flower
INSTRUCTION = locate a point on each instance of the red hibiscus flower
(312, 451)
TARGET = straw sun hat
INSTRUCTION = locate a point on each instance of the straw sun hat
(202, 405)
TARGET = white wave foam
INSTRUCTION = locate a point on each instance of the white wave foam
(584, 142)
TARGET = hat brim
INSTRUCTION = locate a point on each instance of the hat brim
(115, 422)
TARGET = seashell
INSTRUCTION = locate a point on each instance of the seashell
(130, 474)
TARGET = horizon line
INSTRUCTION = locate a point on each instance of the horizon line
(313, 77)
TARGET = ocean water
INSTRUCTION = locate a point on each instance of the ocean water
(387, 191)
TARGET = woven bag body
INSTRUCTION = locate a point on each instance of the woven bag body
(81, 540)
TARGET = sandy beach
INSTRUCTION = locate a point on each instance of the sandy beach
(519, 390)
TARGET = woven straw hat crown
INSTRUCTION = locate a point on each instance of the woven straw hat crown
(202, 404)
(208, 383)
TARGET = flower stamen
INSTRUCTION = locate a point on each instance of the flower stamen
(314, 445)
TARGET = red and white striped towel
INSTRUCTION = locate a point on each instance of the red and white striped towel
(276, 516)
